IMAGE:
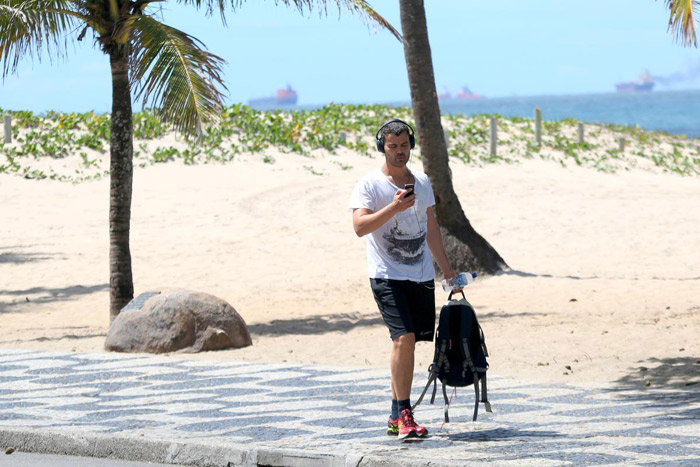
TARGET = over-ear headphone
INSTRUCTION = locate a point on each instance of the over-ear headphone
(380, 139)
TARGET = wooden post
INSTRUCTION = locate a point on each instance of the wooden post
(538, 126)
(343, 137)
(447, 137)
(7, 123)
(493, 127)
(621, 143)
(580, 133)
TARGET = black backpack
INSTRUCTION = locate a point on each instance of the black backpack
(460, 354)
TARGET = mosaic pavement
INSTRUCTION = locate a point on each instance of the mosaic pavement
(341, 411)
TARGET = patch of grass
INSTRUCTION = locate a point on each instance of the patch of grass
(341, 165)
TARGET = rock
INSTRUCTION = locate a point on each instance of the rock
(177, 320)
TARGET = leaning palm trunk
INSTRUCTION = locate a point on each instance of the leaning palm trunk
(467, 250)
(121, 176)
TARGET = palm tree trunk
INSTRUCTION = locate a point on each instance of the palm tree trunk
(121, 287)
(467, 250)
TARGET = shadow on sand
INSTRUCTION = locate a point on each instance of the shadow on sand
(516, 273)
(318, 324)
(55, 339)
(513, 272)
(19, 258)
(47, 295)
(666, 383)
(680, 373)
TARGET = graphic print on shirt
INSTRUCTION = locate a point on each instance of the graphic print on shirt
(405, 239)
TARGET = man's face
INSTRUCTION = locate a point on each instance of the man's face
(397, 149)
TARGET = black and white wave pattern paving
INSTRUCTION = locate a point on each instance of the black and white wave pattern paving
(342, 411)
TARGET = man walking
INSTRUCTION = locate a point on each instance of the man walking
(392, 208)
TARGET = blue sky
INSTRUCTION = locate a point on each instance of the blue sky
(504, 48)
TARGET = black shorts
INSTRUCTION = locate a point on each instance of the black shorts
(406, 306)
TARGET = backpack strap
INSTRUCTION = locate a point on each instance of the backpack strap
(468, 362)
(439, 360)
(484, 397)
(484, 393)
(476, 395)
(483, 340)
(449, 297)
(447, 403)
(440, 357)
(431, 379)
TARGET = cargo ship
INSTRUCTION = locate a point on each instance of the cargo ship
(644, 83)
(444, 94)
(465, 93)
(285, 97)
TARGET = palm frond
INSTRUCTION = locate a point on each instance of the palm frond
(360, 7)
(27, 27)
(369, 15)
(172, 72)
(681, 23)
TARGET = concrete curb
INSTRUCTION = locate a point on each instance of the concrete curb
(190, 453)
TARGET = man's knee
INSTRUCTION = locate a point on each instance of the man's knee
(405, 342)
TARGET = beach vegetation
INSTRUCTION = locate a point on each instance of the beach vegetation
(341, 165)
(552, 126)
(165, 154)
(302, 132)
(519, 119)
(314, 171)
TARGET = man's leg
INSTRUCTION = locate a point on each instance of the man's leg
(401, 364)
(402, 361)
(391, 298)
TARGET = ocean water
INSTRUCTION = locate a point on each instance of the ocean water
(676, 112)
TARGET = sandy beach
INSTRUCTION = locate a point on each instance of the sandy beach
(604, 286)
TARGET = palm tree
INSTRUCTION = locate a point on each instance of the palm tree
(682, 20)
(165, 67)
(468, 250)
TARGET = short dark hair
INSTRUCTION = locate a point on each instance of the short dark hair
(395, 128)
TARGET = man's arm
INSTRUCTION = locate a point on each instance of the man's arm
(367, 221)
(436, 246)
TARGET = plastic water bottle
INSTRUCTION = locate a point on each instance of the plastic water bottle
(461, 280)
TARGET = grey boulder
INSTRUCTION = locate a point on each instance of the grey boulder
(177, 320)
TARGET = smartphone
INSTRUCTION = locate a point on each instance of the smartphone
(409, 186)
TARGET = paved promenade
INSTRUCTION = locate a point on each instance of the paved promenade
(169, 410)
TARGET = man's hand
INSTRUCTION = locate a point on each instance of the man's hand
(402, 202)
(450, 275)
(367, 221)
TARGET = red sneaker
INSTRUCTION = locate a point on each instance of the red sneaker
(408, 428)
(392, 428)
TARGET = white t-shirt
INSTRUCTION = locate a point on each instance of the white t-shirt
(398, 249)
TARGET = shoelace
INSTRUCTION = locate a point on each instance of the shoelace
(408, 420)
